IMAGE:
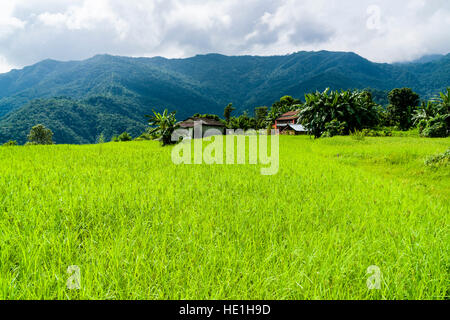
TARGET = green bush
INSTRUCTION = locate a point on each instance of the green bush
(209, 116)
(357, 135)
(377, 133)
(439, 160)
(422, 125)
(436, 127)
(334, 128)
(10, 143)
(146, 137)
(124, 137)
(433, 118)
(371, 133)
(40, 135)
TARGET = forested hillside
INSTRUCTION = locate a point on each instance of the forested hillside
(80, 100)
(74, 121)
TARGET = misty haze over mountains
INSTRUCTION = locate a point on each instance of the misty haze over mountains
(79, 100)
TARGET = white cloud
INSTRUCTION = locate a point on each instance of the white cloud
(4, 65)
(89, 16)
(8, 23)
(381, 30)
(199, 15)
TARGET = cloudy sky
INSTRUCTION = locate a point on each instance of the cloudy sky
(380, 30)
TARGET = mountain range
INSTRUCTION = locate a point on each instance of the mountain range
(79, 100)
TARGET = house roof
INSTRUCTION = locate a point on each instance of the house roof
(291, 115)
(296, 127)
(191, 122)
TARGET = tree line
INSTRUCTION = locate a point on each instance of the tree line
(323, 114)
(331, 113)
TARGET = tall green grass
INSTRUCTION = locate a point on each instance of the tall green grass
(140, 227)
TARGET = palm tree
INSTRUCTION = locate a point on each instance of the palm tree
(163, 125)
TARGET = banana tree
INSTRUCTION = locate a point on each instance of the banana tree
(425, 112)
(444, 105)
(163, 125)
(352, 110)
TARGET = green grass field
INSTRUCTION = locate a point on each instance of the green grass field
(140, 227)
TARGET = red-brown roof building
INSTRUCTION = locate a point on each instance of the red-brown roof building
(287, 123)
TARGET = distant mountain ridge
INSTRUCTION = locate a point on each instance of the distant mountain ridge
(427, 58)
(106, 87)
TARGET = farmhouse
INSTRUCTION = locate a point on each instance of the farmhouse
(205, 123)
(293, 129)
(287, 124)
